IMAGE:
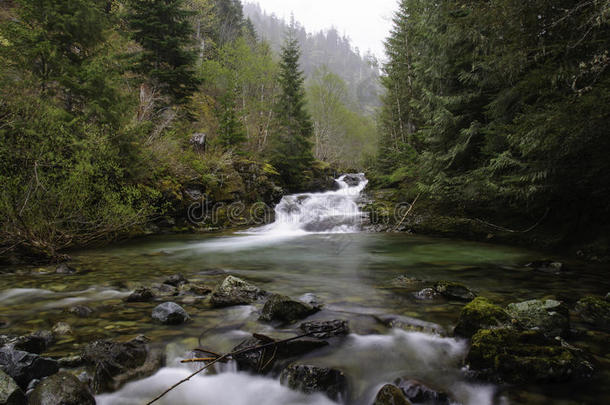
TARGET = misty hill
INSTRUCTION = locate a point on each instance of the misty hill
(325, 48)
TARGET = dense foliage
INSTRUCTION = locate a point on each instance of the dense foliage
(500, 107)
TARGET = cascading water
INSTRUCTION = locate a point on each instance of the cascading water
(328, 212)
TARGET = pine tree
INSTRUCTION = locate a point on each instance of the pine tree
(230, 129)
(291, 150)
(163, 30)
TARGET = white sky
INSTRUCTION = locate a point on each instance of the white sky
(366, 22)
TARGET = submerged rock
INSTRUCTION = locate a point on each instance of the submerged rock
(265, 359)
(515, 356)
(24, 367)
(115, 363)
(170, 313)
(480, 314)
(284, 309)
(176, 280)
(595, 311)
(454, 291)
(549, 316)
(390, 394)
(141, 294)
(62, 329)
(10, 393)
(325, 329)
(418, 392)
(311, 379)
(426, 294)
(64, 269)
(80, 311)
(409, 324)
(61, 389)
(235, 291)
(546, 266)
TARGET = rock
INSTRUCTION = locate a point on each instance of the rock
(390, 394)
(480, 314)
(116, 363)
(454, 291)
(23, 367)
(80, 311)
(164, 290)
(70, 362)
(31, 386)
(546, 266)
(418, 392)
(263, 360)
(235, 291)
(595, 311)
(64, 269)
(61, 389)
(176, 280)
(62, 329)
(406, 282)
(410, 324)
(311, 379)
(548, 316)
(10, 393)
(170, 313)
(352, 180)
(325, 329)
(426, 294)
(284, 309)
(36, 342)
(141, 294)
(197, 289)
(529, 356)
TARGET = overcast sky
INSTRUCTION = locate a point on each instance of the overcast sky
(366, 22)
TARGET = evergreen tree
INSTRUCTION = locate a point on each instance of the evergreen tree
(291, 150)
(163, 30)
(230, 129)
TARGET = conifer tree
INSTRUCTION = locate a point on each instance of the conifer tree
(291, 150)
(163, 30)
(231, 130)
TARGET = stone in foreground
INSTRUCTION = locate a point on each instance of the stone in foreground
(61, 389)
(10, 393)
(24, 367)
(170, 313)
(390, 394)
(312, 379)
(235, 291)
(284, 309)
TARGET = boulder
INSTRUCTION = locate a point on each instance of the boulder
(115, 363)
(311, 379)
(595, 311)
(64, 269)
(61, 389)
(235, 291)
(418, 392)
(390, 394)
(480, 314)
(10, 393)
(409, 324)
(454, 291)
(515, 356)
(352, 180)
(426, 294)
(176, 280)
(23, 367)
(36, 342)
(325, 329)
(263, 360)
(551, 317)
(70, 361)
(80, 311)
(284, 309)
(170, 313)
(141, 294)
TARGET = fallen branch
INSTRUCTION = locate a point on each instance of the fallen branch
(408, 212)
(501, 228)
(227, 356)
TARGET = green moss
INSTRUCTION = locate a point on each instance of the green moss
(524, 356)
(595, 311)
(480, 314)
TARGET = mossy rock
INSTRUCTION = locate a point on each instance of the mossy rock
(390, 394)
(480, 314)
(515, 356)
(454, 291)
(551, 317)
(284, 309)
(595, 311)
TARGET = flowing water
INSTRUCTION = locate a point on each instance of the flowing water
(314, 250)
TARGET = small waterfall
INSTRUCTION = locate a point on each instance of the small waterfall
(328, 212)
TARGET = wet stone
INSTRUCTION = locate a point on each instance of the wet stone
(10, 393)
(176, 280)
(23, 367)
(390, 394)
(235, 291)
(61, 389)
(312, 379)
(284, 309)
(426, 294)
(141, 294)
(170, 313)
(454, 291)
(418, 392)
(325, 329)
(80, 311)
(65, 269)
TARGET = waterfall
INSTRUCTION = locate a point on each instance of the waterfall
(327, 212)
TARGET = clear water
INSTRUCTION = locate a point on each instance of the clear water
(352, 273)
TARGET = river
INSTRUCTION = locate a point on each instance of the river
(315, 249)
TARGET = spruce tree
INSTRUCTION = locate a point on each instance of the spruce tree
(230, 129)
(291, 152)
(163, 30)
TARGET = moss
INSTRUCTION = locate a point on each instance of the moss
(524, 356)
(480, 314)
(595, 311)
(453, 290)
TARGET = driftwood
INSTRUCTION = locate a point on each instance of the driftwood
(217, 358)
(408, 212)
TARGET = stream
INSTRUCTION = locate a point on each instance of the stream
(315, 250)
